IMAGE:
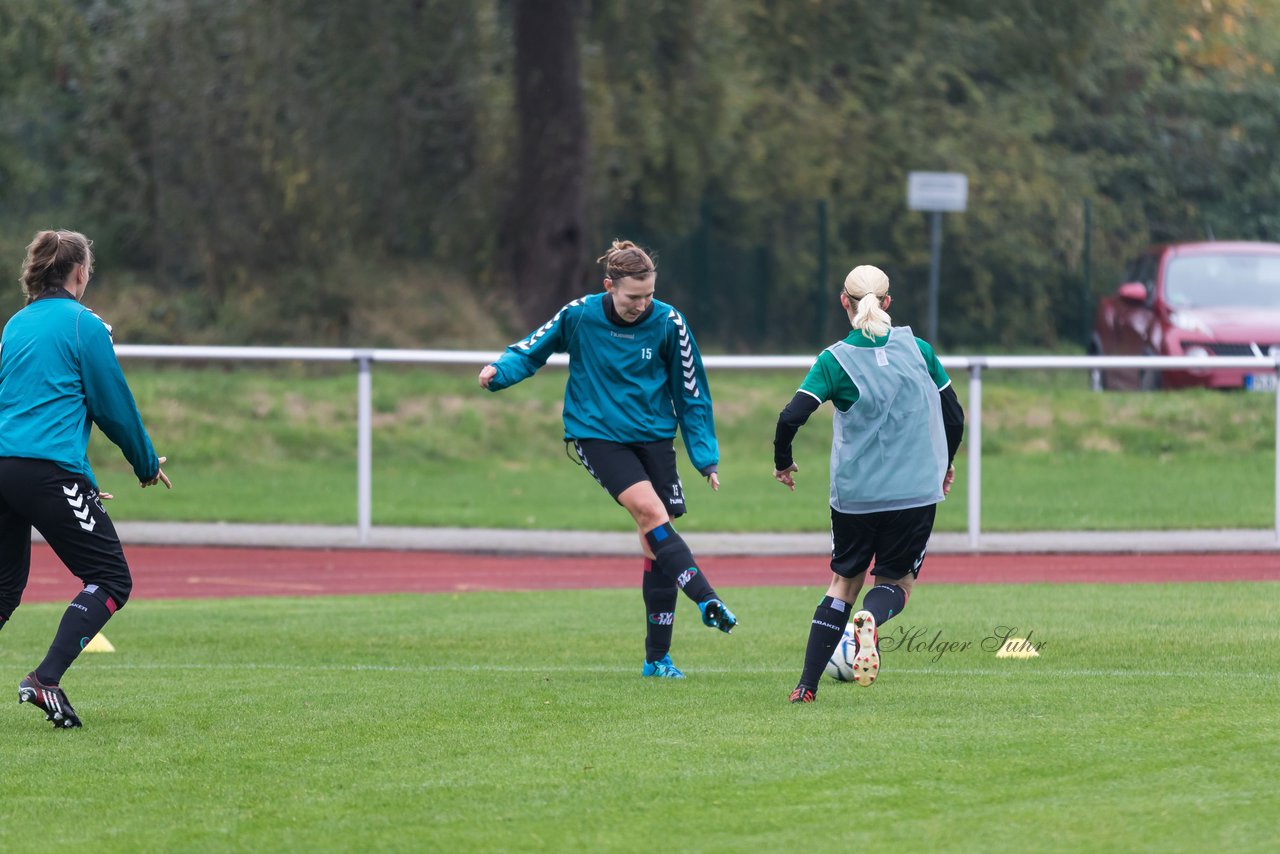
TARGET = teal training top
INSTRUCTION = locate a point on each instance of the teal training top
(627, 383)
(827, 380)
(58, 376)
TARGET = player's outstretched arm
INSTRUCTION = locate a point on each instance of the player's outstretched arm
(691, 397)
(790, 420)
(523, 359)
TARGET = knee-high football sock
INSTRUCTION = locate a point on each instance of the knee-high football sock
(660, 595)
(84, 618)
(671, 557)
(884, 601)
(829, 621)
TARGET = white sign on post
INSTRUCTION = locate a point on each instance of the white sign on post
(937, 191)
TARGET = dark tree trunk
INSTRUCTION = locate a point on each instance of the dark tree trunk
(545, 217)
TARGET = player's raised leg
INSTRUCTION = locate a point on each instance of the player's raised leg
(882, 602)
(672, 556)
(902, 538)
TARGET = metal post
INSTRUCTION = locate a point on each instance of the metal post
(1086, 267)
(364, 446)
(822, 309)
(1277, 358)
(974, 474)
(935, 259)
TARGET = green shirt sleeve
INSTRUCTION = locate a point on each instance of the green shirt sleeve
(828, 381)
(821, 379)
(939, 374)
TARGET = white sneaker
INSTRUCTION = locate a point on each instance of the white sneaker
(866, 664)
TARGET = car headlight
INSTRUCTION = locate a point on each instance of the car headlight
(1190, 322)
(1196, 350)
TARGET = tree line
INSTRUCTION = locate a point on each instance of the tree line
(289, 152)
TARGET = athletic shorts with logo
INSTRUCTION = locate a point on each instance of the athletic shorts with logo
(617, 467)
(896, 539)
(66, 510)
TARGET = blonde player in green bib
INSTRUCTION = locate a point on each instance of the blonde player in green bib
(897, 426)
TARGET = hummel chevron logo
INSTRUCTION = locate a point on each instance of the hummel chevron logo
(75, 487)
(546, 327)
(77, 503)
(686, 354)
(82, 514)
(89, 526)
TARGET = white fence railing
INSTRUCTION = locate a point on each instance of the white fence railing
(974, 365)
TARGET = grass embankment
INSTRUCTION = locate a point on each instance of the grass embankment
(257, 444)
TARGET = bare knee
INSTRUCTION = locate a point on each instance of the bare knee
(644, 505)
(846, 589)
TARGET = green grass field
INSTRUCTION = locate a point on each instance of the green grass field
(518, 722)
(278, 445)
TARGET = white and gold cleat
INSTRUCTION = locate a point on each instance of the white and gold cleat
(866, 663)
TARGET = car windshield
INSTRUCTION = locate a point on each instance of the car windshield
(1205, 281)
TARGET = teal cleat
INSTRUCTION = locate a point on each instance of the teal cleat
(662, 668)
(717, 616)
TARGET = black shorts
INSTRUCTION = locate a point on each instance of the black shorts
(617, 467)
(66, 510)
(895, 538)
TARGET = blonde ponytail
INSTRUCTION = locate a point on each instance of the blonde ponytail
(866, 287)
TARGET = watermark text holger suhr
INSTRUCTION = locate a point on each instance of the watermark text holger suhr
(923, 641)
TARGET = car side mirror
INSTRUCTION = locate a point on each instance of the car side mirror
(1133, 292)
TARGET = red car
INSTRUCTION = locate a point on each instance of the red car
(1193, 299)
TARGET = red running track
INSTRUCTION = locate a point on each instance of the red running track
(162, 572)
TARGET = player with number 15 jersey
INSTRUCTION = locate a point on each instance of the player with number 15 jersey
(635, 376)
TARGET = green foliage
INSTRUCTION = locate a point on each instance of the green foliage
(408, 723)
(226, 150)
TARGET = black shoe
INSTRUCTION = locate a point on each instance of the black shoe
(50, 699)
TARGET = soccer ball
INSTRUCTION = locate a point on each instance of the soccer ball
(840, 667)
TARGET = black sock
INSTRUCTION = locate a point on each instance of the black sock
(829, 621)
(884, 601)
(660, 595)
(671, 557)
(84, 618)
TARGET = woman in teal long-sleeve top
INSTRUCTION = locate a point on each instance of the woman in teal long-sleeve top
(58, 377)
